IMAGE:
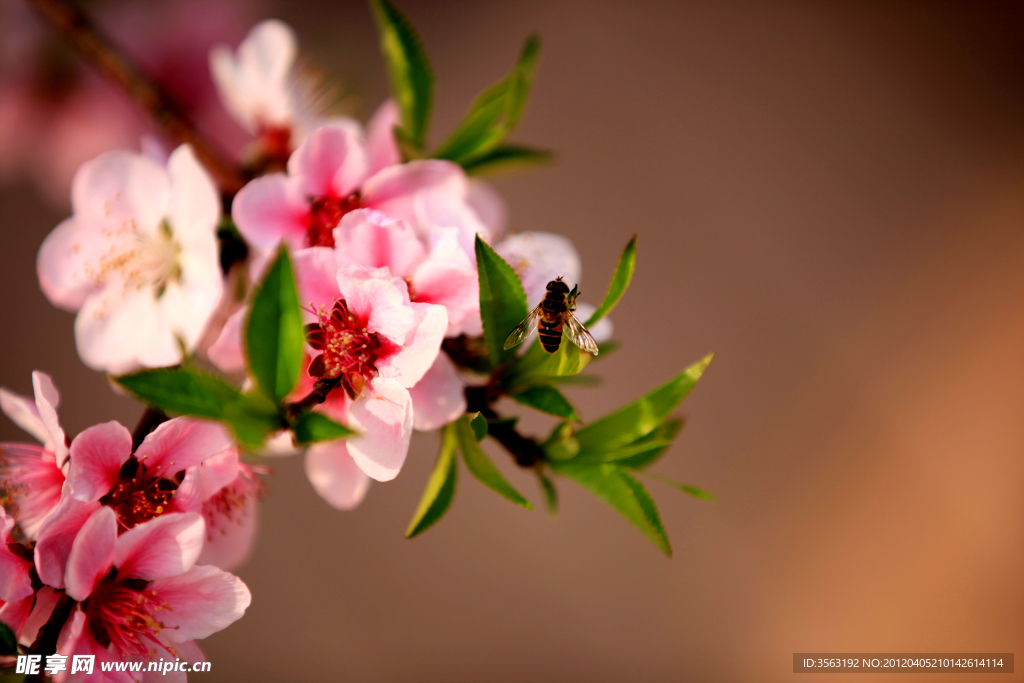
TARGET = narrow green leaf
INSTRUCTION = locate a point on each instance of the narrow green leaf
(494, 113)
(252, 417)
(273, 332)
(437, 497)
(537, 366)
(548, 399)
(8, 641)
(312, 427)
(550, 492)
(502, 300)
(685, 488)
(412, 83)
(504, 157)
(479, 425)
(623, 493)
(481, 467)
(181, 391)
(656, 443)
(620, 282)
(641, 416)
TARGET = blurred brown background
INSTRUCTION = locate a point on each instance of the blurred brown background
(831, 197)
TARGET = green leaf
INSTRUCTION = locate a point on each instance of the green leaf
(504, 157)
(502, 300)
(685, 488)
(642, 416)
(622, 492)
(481, 467)
(479, 425)
(537, 366)
(312, 427)
(550, 492)
(653, 445)
(494, 113)
(8, 641)
(412, 83)
(252, 418)
(547, 399)
(620, 281)
(274, 336)
(181, 391)
(437, 497)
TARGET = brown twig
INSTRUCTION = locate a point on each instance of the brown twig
(150, 419)
(82, 35)
(315, 397)
(526, 451)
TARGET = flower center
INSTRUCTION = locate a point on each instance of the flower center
(121, 613)
(149, 261)
(348, 350)
(324, 215)
(139, 496)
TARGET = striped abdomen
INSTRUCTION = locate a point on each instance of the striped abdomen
(550, 328)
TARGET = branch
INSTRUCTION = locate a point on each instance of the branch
(526, 451)
(315, 397)
(92, 46)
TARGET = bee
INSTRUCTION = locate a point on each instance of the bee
(554, 313)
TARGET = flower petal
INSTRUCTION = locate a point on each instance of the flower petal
(96, 458)
(538, 258)
(226, 352)
(181, 443)
(23, 412)
(335, 475)
(438, 398)
(15, 583)
(232, 518)
(380, 299)
(200, 602)
(92, 553)
(29, 475)
(376, 240)
(164, 546)
(488, 206)
(383, 417)
(56, 537)
(449, 278)
(331, 162)
(121, 328)
(316, 277)
(380, 136)
(269, 209)
(194, 203)
(408, 365)
(47, 400)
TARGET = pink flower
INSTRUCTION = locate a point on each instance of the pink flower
(138, 259)
(365, 331)
(15, 583)
(141, 593)
(333, 173)
(164, 475)
(31, 475)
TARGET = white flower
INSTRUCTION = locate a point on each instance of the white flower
(137, 259)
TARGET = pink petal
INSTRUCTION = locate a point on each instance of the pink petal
(14, 614)
(438, 398)
(391, 190)
(380, 299)
(15, 583)
(449, 278)
(446, 205)
(226, 352)
(30, 476)
(119, 188)
(188, 497)
(201, 601)
(181, 443)
(23, 412)
(380, 137)
(92, 553)
(164, 546)
(331, 162)
(383, 417)
(375, 240)
(96, 458)
(47, 400)
(316, 277)
(488, 205)
(335, 475)
(194, 202)
(232, 516)
(56, 537)
(61, 264)
(408, 365)
(538, 258)
(39, 613)
(217, 472)
(270, 209)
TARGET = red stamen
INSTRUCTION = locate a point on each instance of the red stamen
(349, 351)
(121, 613)
(324, 215)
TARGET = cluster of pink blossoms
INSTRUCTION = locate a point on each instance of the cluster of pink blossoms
(138, 538)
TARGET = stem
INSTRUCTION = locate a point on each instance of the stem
(151, 419)
(314, 398)
(82, 35)
(526, 451)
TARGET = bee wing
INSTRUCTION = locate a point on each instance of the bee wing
(578, 334)
(523, 329)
